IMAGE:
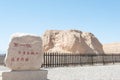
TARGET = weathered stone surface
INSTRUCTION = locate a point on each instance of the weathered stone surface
(24, 53)
(25, 75)
(71, 41)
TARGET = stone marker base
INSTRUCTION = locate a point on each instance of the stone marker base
(25, 75)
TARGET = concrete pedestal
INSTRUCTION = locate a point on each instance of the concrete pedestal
(25, 75)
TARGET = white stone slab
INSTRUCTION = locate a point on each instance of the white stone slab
(24, 53)
(25, 75)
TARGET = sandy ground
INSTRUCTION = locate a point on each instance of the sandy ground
(113, 48)
(107, 72)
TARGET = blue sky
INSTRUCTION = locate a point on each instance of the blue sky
(100, 17)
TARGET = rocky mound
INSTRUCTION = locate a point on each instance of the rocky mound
(71, 41)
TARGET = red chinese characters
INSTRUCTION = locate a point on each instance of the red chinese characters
(22, 45)
(19, 52)
(26, 59)
(16, 59)
(23, 54)
(12, 59)
(28, 53)
(15, 44)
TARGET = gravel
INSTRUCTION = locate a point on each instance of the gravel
(99, 72)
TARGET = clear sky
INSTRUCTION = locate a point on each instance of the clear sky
(100, 17)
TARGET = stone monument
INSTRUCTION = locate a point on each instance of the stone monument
(24, 58)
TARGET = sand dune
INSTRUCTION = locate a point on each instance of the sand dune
(112, 48)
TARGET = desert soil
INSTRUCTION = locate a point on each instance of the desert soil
(113, 48)
(99, 72)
